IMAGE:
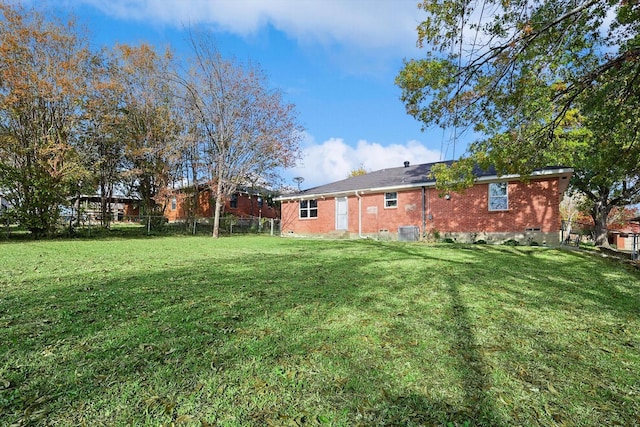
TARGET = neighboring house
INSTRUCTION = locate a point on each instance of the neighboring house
(628, 237)
(243, 203)
(122, 207)
(4, 203)
(403, 203)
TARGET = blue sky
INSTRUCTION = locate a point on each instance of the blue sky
(336, 60)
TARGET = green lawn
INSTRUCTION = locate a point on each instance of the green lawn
(257, 331)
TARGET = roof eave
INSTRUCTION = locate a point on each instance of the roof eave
(306, 196)
(544, 173)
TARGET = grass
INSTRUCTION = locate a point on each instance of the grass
(262, 331)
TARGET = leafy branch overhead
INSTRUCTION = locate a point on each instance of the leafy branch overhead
(497, 66)
(539, 83)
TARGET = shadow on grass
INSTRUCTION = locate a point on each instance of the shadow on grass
(265, 339)
(471, 365)
(478, 408)
(524, 271)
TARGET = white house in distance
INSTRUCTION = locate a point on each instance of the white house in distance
(4, 203)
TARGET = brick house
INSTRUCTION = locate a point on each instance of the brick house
(628, 237)
(403, 203)
(243, 203)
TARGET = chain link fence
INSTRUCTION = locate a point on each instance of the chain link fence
(228, 225)
(88, 225)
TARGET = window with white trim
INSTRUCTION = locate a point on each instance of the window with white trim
(391, 200)
(498, 196)
(233, 203)
(174, 203)
(308, 208)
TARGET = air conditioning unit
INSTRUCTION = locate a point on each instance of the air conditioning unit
(408, 233)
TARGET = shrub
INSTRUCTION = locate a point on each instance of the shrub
(155, 222)
(511, 242)
(432, 236)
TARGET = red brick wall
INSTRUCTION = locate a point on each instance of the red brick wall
(376, 217)
(324, 223)
(131, 209)
(203, 208)
(247, 206)
(531, 205)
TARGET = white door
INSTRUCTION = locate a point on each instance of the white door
(342, 213)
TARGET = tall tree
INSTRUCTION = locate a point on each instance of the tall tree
(516, 71)
(192, 172)
(43, 81)
(246, 129)
(101, 141)
(150, 126)
(607, 165)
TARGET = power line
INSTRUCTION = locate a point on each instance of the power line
(456, 110)
(454, 139)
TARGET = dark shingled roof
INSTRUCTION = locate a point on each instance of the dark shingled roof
(404, 176)
(409, 176)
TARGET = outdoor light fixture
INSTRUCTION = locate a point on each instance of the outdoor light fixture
(447, 196)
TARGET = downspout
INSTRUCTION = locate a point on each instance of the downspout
(424, 213)
(359, 215)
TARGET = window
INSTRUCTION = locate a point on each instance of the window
(308, 208)
(233, 203)
(391, 200)
(174, 204)
(498, 197)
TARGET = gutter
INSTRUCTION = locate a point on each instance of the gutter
(359, 215)
(348, 192)
(535, 174)
(424, 213)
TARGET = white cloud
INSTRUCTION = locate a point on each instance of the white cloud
(334, 159)
(373, 24)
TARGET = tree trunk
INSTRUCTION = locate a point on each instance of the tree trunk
(216, 215)
(105, 204)
(77, 208)
(600, 213)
